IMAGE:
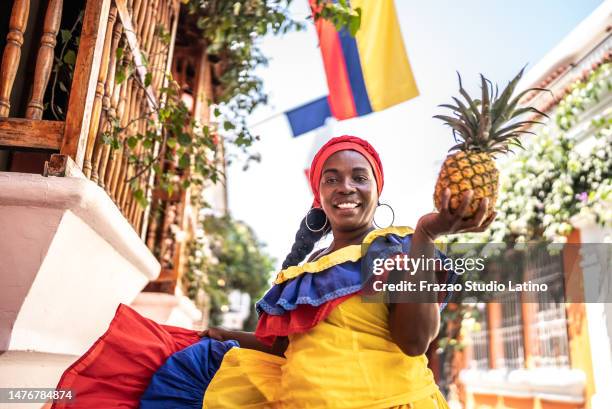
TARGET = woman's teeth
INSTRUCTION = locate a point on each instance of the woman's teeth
(347, 205)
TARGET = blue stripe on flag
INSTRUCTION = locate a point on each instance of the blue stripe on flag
(353, 66)
(308, 117)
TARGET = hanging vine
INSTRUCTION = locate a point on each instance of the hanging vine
(232, 30)
(63, 69)
(188, 149)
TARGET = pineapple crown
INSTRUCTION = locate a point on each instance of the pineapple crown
(490, 124)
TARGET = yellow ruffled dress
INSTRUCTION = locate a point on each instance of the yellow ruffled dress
(347, 360)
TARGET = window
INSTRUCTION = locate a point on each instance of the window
(477, 340)
(547, 323)
(511, 332)
(497, 334)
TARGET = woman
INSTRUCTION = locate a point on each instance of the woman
(316, 343)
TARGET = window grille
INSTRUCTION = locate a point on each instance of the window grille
(511, 332)
(477, 340)
(548, 324)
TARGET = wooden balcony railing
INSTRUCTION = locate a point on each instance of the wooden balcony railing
(173, 215)
(96, 94)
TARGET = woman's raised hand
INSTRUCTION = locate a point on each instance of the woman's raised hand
(448, 222)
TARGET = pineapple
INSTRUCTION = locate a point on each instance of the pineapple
(482, 130)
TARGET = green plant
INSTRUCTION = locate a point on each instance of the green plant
(226, 255)
(63, 68)
(187, 150)
(340, 14)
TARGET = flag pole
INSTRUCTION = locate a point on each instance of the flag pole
(269, 118)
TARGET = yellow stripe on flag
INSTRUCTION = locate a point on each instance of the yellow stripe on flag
(384, 62)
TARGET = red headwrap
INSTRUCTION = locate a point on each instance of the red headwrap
(343, 143)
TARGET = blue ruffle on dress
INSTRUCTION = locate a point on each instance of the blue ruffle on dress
(182, 380)
(312, 289)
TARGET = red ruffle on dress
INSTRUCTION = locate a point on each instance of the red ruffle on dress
(117, 369)
(303, 318)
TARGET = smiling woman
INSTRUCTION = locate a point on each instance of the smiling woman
(317, 344)
(332, 346)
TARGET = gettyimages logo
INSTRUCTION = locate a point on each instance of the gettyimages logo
(403, 262)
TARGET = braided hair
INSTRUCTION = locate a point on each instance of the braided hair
(305, 239)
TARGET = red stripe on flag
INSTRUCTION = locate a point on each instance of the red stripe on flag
(341, 101)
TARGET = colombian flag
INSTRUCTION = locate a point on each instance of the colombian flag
(366, 73)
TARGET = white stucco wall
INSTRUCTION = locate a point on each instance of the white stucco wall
(169, 309)
(22, 250)
(68, 257)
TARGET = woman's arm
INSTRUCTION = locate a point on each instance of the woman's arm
(413, 325)
(247, 340)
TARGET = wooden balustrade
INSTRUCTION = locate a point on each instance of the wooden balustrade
(80, 114)
(192, 72)
(44, 60)
(134, 29)
(12, 53)
(98, 102)
(123, 112)
(107, 111)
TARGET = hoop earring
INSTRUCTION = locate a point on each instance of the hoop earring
(392, 214)
(308, 226)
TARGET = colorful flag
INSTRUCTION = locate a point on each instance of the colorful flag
(366, 73)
